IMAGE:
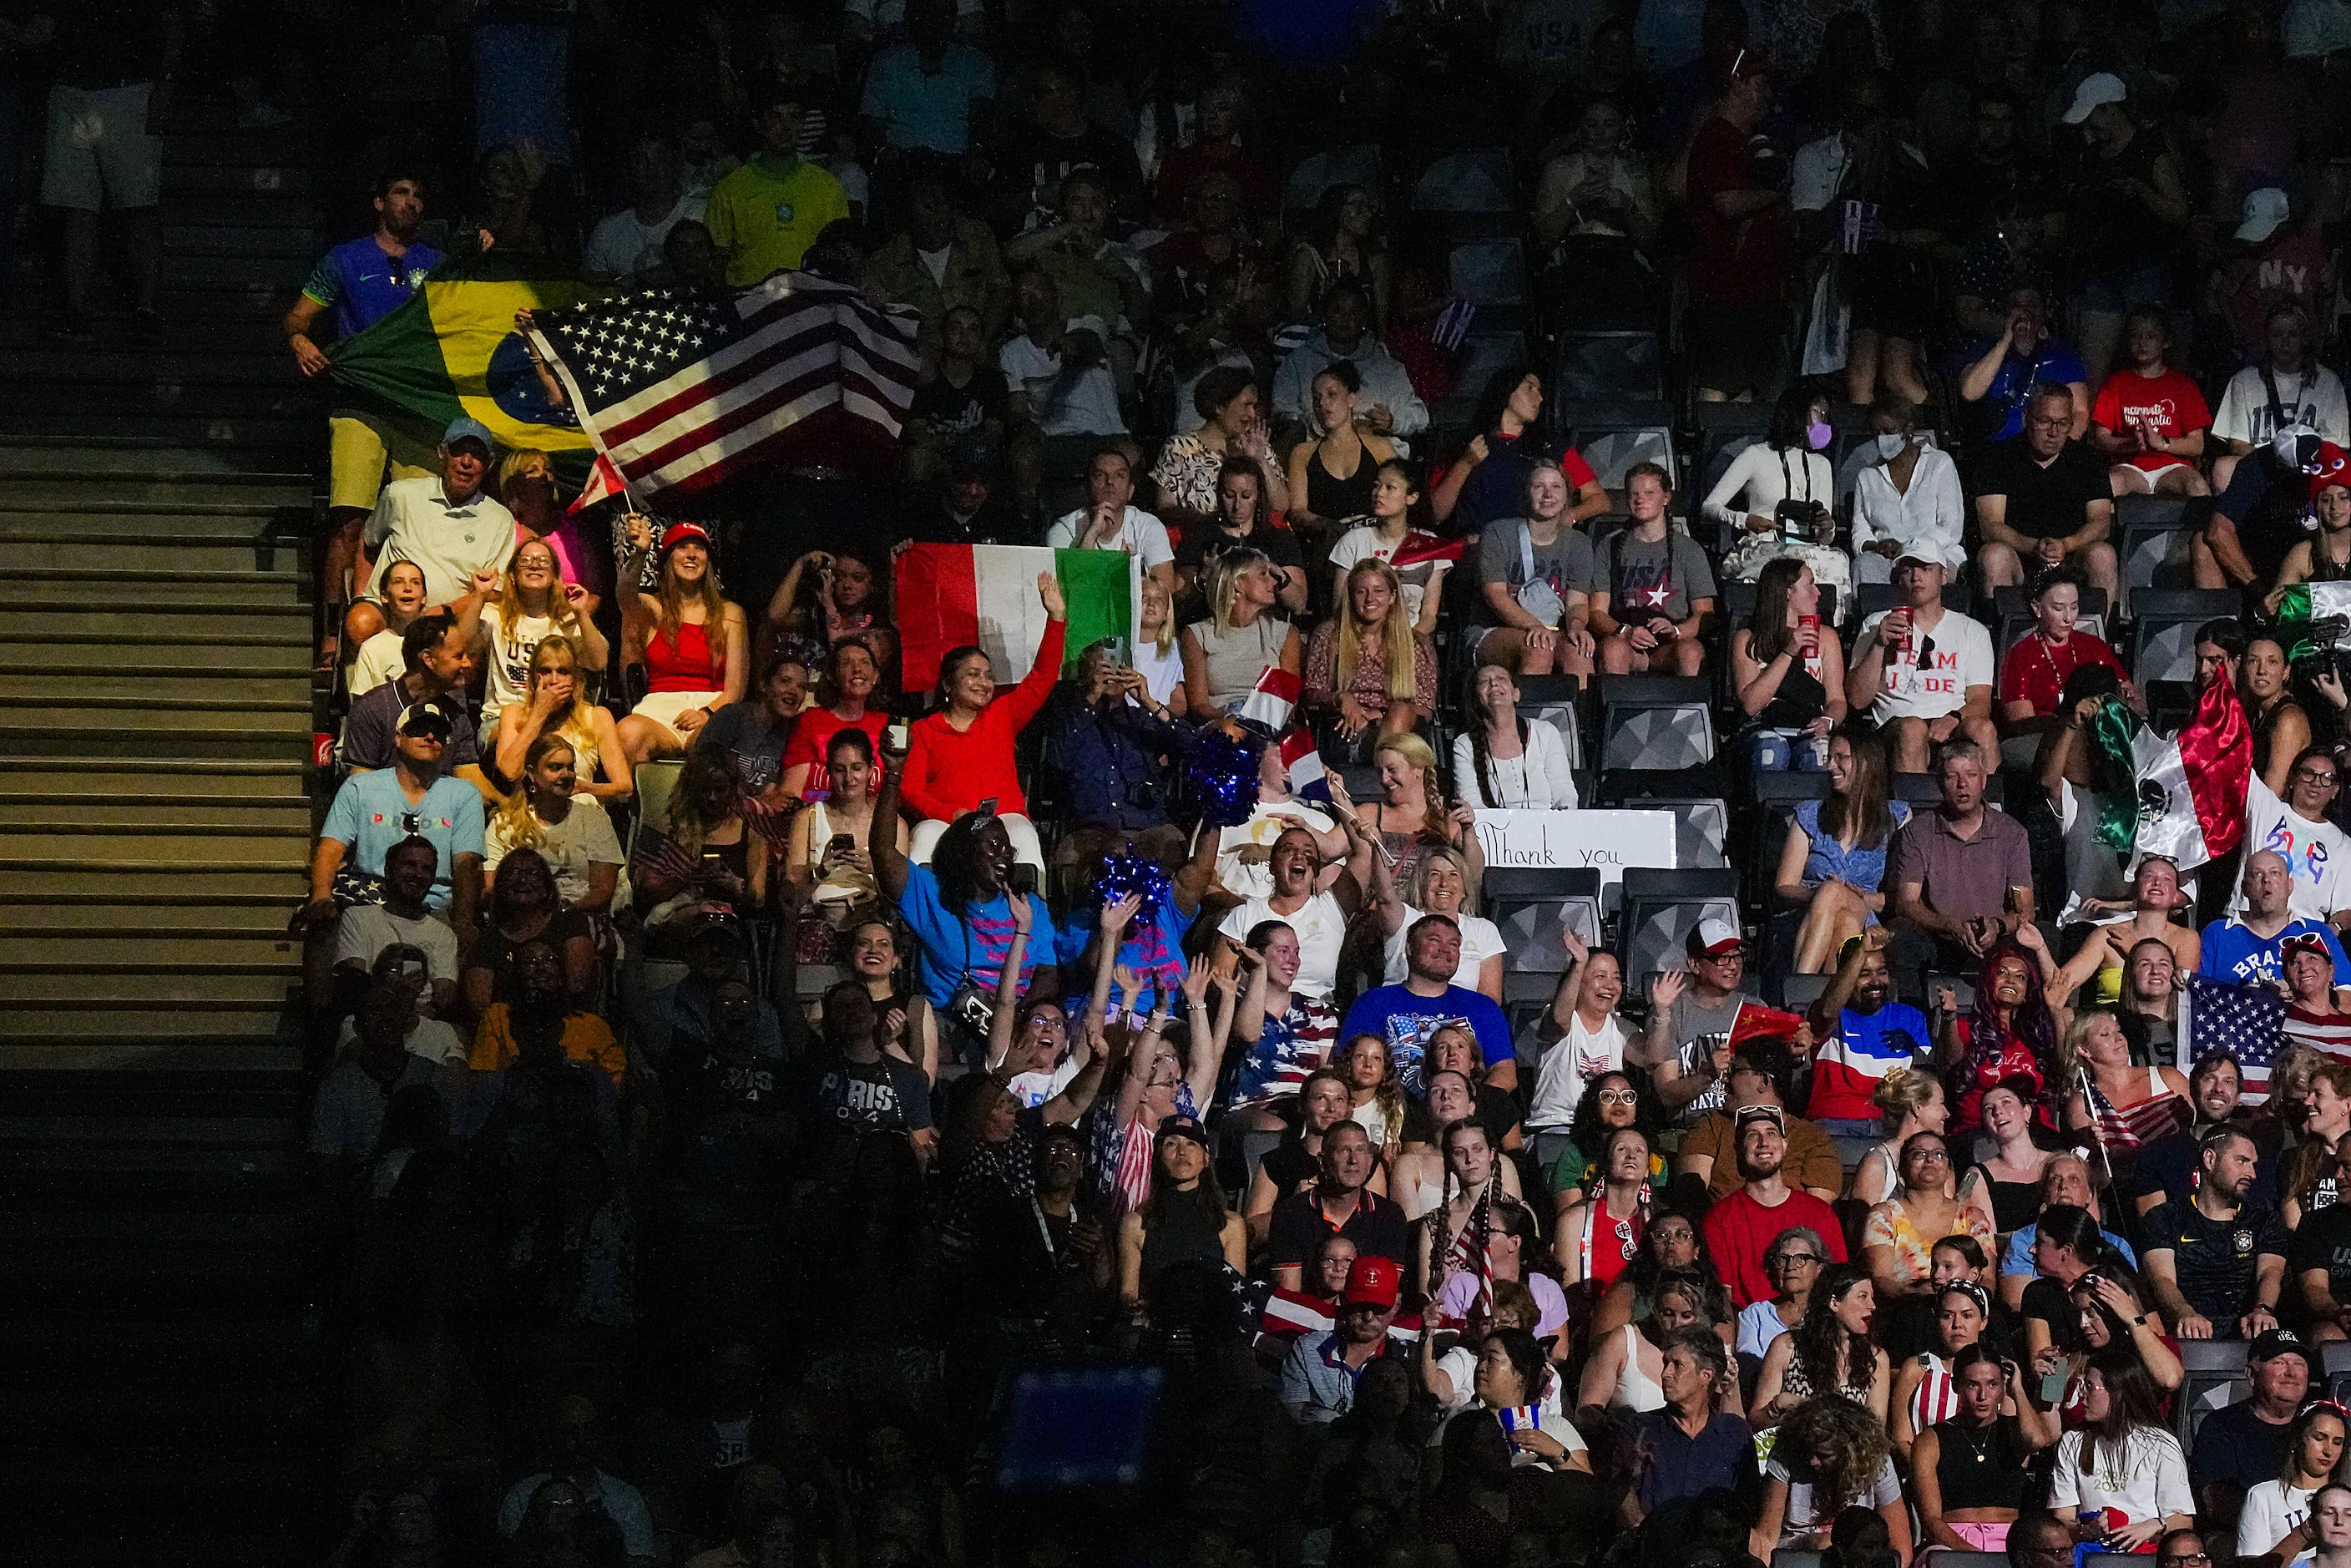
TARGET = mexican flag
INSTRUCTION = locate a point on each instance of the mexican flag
(2187, 805)
(951, 596)
(2308, 601)
(452, 350)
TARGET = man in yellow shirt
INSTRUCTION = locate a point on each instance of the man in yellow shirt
(766, 214)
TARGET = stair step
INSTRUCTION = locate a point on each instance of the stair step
(50, 1025)
(129, 811)
(189, 852)
(291, 239)
(242, 432)
(131, 501)
(262, 920)
(82, 553)
(118, 878)
(227, 403)
(195, 588)
(38, 619)
(194, 947)
(104, 460)
(149, 661)
(259, 363)
(198, 180)
(284, 686)
(282, 778)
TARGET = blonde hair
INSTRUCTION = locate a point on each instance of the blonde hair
(1225, 583)
(558, 609)
(1164, 641)
(1903, 1092)
(1416, 753)
(523, 460)
(516, 823)
(1397, 643)
(579, 726)
(1416, 891)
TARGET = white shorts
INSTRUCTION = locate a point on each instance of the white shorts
(663, 707)
(100, 157)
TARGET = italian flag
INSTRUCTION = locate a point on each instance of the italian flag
(2191, 787)
(953, 596)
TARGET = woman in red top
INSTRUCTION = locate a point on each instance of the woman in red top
(961, 754)
(695, 645)
(852, 674)
(2033, 677)
(2150, 420)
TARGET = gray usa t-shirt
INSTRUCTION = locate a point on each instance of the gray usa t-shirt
(1645, 578)
(1566, 563)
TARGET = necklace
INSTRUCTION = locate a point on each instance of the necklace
(1981, 1451)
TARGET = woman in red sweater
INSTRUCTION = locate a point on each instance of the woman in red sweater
(961, 753)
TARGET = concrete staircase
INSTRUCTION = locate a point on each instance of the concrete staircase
(160, 1403)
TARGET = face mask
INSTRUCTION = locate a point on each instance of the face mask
(1816, 436)
(1890, 445)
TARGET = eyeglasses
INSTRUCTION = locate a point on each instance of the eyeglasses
(1785, 1258)
(2063, 421)
(2184, 1557)
(1618, 1097)
(2316, 775)
(1931, 1154)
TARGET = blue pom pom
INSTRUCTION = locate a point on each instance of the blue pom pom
(1138, 877)
(1224, 779)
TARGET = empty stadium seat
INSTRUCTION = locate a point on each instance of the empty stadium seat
(2151, 535)
(1625, 366)
(1702, 822)
(1531, 905)
(1655, 723)
(1660, 909)
(1490, 273)
(2215, 1377)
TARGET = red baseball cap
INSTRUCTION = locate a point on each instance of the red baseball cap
(677, 534)
(1371, 1281)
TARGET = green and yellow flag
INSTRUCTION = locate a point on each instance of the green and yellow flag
(452, 350)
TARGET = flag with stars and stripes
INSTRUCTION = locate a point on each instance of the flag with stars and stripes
(682, 390)
(2246, 1021)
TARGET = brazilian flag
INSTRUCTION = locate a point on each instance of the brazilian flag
(452, 350)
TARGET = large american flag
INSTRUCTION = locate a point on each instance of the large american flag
(682, 390)
(2247, 1021)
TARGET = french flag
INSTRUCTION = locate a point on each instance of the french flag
(1303, 764)
(1269, 705)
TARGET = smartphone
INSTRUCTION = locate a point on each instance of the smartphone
(1023, 884)
(987, 808)
(841, 844)
(898, 738)
(2052, 1387)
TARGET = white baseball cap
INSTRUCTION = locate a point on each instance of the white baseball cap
(1715, 936)
(2265, 209)
(2100, 87)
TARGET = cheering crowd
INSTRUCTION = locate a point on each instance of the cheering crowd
(784, 1097)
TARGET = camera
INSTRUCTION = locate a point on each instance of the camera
(1800, 519)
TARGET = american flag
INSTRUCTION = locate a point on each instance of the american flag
(682, 390)
(2246, 1021)
(2328, 1033)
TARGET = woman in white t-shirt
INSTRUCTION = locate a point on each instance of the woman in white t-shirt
(1831, 1454)
(533, 601)
(1589, 1040)
(1789, 464)
(1317, 915)
(1439, 885)
(2121, 1461)
(382, 657)
(2276, 1515)
(1389, 533)
(569, 830)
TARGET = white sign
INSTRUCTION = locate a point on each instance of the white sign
(1606, 841)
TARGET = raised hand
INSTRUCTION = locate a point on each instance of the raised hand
(1196, 982)
(1118, 911)
(1049, 589)
(1665, 987)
